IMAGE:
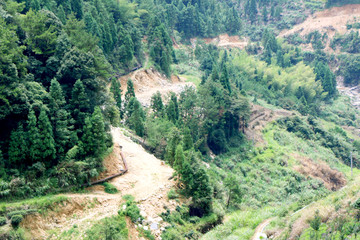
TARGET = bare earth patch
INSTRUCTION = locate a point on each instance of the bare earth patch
(148, 81)
(332, 179)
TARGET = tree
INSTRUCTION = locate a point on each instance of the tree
(136, 117)
(18, 148)
(93, 141)
(173, 140)
(234, 190)
(265, 15)
(79, 104)
(33, 138)
(224, 79)
(130, 91)
(316, 222)
(116, 91)
(46, 138)
(252, 11)
(157, 104)
(179, 158)
(187, 140)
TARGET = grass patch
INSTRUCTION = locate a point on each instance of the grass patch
(108, 228)
(193, 79)
(109, 188)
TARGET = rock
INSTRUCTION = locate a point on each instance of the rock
(124, 207)
(146, 228)
(154, 226)
(162, 229)
(143, 213)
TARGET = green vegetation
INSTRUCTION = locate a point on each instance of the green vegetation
(109, 188)
(59, 94)
(108, 228)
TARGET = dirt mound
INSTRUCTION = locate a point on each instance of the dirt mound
(330, 21)
(332, 179)
(148, 81)
(259, 118)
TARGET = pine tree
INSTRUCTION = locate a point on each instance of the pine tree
(130, 91)
(46, 138)
(79, 104)
(116, 91)
(224, 79)
(93, 141)
(265, 14)
(173, 98)
(267, 54)
(173, 141)
(61, 120)
(280, 58)
(171, 112)
(253, 11)
(33, 138)
(18, 148)
(179, 158)
(136, 120)
(187, 140)
(157, 104)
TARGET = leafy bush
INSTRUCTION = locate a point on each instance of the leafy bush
(172, 194)
(2, 221)
(110, 228)
(109, 188)
(16, 220)
(133, 212)
(18, 212)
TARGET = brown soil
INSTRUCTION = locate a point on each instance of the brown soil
(329, 21)
(332, 179)
(225, 41)
(148, 81)
(147, 180)
(259, 231)
(259, 118)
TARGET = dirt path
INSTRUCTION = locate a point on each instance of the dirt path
(225, 41)
(147, 180)
(259, 231)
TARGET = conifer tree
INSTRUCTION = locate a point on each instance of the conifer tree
(79, 104)
(253, 11)
(171, 112)
(173, 98)
(46, 138)
(157, 104)
(136, 120)
(187, 140)
(224, 79)
(173, 140)
(93, 141)
(33, 138)
(265, 14)
(18, 147)
(130, 91)
(179, 158)
(116, 91)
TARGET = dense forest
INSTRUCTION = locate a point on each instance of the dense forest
(60, 95)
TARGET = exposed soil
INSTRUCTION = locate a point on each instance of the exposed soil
(352, 92)
(259, 231)
(330, 21)
(225, 41)
(259, 118)
(332, 179)
(148, 81)
(147, 180)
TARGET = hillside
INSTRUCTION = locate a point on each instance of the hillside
(179, 120)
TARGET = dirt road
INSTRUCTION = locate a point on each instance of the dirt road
(147, 180)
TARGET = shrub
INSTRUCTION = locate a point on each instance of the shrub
(16, 220)
(133, 212)
(2, 221)
(18, 212)
(109, 188)
(172, 194)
